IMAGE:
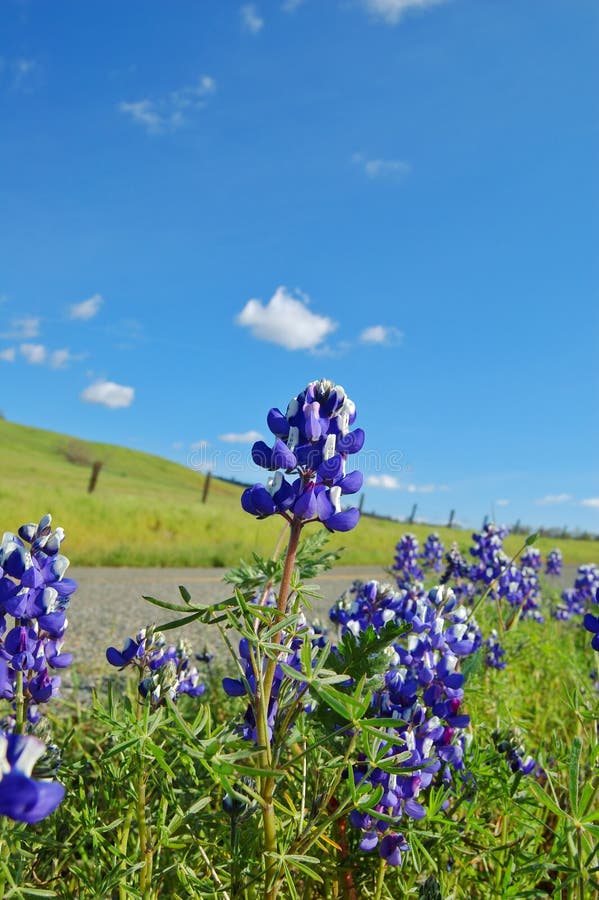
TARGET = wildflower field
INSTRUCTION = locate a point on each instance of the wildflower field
(436, 738)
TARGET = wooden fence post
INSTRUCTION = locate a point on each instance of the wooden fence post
(206, 486)
(94, 477)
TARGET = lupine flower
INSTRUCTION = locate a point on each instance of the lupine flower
(494, 652)
(554, 563)
(591, 623)
(22, 797)
(422, 689)
(531, 558)
(407, 553)
(392, 847)
(575, 601)
(35, 592)
(488, 548)
(312, 444)
(163, 670)
(510, 744)
(457, 570)
(432, 552)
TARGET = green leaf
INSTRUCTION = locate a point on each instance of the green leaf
(185, 593)
(175, 607)
(531, 539)
(546, 800)
(573, 775)
(178, 623)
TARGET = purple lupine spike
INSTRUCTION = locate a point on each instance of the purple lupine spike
(554, 563)
(312, 442)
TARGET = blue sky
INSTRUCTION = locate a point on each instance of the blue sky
(207, 205)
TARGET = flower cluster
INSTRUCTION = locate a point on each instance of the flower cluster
(34, 591)
(457, 570)
(531, 559)
(575, 601)
(510, 744)
(520, 587)
(22, 797)
(488, 549)
(406, 567)
(494, 652)
(422, 689)
(164, 670)
(591, 623)
(432, 552)
(312, 443)
(554, 563)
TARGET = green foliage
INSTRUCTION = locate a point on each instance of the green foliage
(171, 801)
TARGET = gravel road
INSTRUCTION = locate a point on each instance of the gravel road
(109, 606)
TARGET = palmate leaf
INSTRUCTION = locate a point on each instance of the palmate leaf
(364, 655)
(311, 560)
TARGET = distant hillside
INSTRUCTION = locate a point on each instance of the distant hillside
(148, 511)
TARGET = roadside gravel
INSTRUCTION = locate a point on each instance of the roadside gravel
(109, 606)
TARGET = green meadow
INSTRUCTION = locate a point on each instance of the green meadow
(148, 511)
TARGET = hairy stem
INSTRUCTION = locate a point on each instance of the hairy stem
(19, 703)
(380, 879)
(267, 785)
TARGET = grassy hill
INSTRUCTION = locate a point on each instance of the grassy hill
(147, 511)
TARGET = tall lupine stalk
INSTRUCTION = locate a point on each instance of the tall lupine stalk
(35, 593)
(312, 443)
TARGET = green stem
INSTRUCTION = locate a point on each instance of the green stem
(123, 841)
(143, 826)
(19, 703)
(267, 786)
(380, 879)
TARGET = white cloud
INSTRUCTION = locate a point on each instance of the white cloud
(251, 19)
(8, 355)
(502, 503)
(554, 498)
(392, 11)
(387, 482)
(169, 112)
(291, 5)
(390, 169)
(60, 358)
(23, 328)
(286, 321)
(244, 437)
(199, 445)
(423, 488)
(108, 393)
(87, 309)
(35, 354)
(391, 483)
(381, 334)
(593, 502)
